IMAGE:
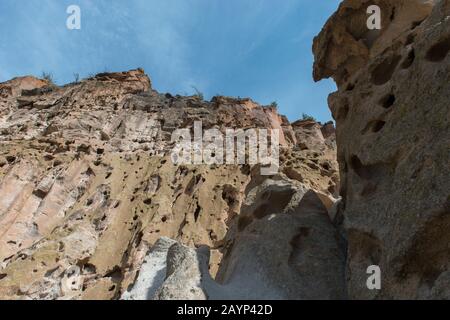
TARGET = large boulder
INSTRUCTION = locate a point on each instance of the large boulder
(283, 246)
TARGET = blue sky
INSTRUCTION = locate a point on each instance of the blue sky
(248, 48)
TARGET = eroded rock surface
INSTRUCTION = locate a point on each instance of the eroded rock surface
(92, 206)
(392, 114)
(282, 246)
(88, 186)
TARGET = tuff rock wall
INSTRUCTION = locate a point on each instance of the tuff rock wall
(88, 186)
(392, 112)
(92, 206)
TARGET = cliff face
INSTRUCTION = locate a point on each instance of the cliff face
(88, 185)
(392, 127)
(93, 206)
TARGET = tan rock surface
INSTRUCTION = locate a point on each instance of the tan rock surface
(88, 185)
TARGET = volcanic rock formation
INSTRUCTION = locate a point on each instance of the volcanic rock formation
(392, 125)
(88, 185)
(92, 205)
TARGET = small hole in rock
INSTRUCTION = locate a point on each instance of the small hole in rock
(378, 125)
(388, 101)
(410, 39)
(197, 212)
(350, 87)
(384, 71)
(409, 59)
(392, 17)
(342, 113)
(415, 24)
(357, 166)
(439, 51)
(10, 159)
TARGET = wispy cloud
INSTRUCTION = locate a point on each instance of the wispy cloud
(258, 48)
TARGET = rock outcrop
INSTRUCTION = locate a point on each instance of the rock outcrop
(93, 204)
(282, 246)
(88, 185)
(392, 129)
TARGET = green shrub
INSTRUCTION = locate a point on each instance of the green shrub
(308, 117)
